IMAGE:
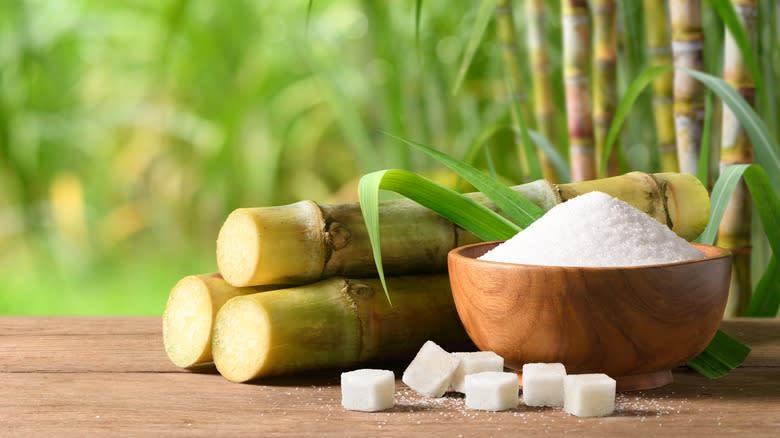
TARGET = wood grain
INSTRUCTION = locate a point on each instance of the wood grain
(625, 322)
(118, 387)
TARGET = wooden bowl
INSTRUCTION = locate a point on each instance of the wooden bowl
(632, 323)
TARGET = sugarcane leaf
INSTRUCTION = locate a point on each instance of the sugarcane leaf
(484, 13)
(417, 16)
(703, 166)
(765, 150)
(467, 213)
(725, 9)
(624, 107)
(308, 15)
(557, 160)
(719, 200)
(722, 355)
(519, 209)
(765, 300)
(531, 159)
(768, 207)
(541, 142)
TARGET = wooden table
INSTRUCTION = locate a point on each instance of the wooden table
(110, 376)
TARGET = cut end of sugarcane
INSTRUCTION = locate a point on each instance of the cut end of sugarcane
(241, 339)
(238, 248)
(187, 323)
(687, 204)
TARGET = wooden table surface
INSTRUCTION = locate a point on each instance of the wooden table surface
(110, 376)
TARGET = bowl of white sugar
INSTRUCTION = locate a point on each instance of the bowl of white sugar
(596, 285)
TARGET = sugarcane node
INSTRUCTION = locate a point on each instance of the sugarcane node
(357, 289)
(337, 236)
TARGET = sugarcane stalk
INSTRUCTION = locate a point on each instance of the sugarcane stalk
(507, 36)
(334, 323)
(604, 76)
(544, 112)
(659, 54)
(576, 67)
(688, 52)
(734, 232)
(305, 242)
(189, 313)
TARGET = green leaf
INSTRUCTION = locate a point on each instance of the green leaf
(417, 16)
(719, 200)
(624, 107)
(477, 32)
(765, 150)
(470, 215)
(531, 159)
(725, 10)
(519, 209)
(308, 14)
(768, 207)
(765, 301)
(555, 157)
(722, 355)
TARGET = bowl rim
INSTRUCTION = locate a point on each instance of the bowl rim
(458, 253)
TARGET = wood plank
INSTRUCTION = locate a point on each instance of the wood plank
(135, 344)
(180, 404)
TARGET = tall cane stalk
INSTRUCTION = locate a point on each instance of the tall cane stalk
(538, 49)
(734, 231)
(576, 66)
(688, 52)
(604, 75)
(659, 53)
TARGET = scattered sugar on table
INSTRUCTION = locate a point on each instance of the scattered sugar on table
(594, 229)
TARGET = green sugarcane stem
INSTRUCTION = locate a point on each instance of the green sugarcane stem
(734, 232)
(689, 94)
(544, 111)
(659, 54)
(576, 68)
(604, 76)
(305, 242)
(334, 323)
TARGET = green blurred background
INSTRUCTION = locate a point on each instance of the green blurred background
(129, 129)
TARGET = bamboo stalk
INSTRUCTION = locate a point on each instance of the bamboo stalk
(189, 313)
(333, 323)
(542, 86)
(604, 76)
(659, 50)
(688, 52)
(735, 230)
(576, 67)
(517, 97)
(305, 242)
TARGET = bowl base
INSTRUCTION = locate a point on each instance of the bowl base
(637, 382)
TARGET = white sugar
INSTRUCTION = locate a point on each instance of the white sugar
(594, 229)
(367, 390)
(431, 370)
(472, 363)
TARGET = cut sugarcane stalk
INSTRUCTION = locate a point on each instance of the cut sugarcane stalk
(189, 315)
(333, 323)
(305, 242)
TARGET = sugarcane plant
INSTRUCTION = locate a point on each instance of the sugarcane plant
(735, 227)
(659, 53)
(604, 75)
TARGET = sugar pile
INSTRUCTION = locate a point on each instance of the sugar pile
(594, 229)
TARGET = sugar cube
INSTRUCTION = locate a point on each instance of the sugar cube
(589, 395)
(431, 370)
(367, 390)
(543, 384)
(491, 391)
(474, 362)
